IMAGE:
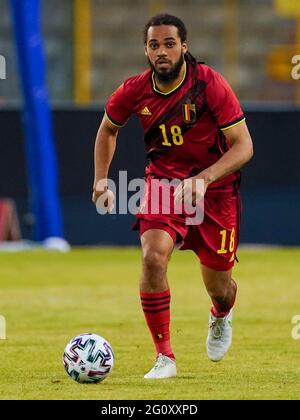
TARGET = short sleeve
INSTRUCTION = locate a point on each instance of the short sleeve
(119, 106)
(223, 102)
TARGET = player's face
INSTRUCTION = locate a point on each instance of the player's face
(165, 51)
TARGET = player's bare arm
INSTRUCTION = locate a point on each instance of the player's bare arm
(240, 152)
(105, 147)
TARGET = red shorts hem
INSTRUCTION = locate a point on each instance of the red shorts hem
(216, 265)
(143, 225)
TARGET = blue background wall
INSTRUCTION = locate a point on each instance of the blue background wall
(270, 182)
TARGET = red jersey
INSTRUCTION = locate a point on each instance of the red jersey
(183, 128)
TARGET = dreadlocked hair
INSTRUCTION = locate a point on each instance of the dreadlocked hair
(189, 58)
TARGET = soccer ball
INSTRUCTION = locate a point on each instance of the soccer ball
(88, 358)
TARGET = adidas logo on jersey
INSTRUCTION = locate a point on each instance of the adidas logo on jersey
(146, 111)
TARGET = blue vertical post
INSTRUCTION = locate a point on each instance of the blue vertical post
(40, 152)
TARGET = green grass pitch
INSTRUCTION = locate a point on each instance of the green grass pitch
(47, 298)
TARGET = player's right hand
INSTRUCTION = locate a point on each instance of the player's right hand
(103, 198)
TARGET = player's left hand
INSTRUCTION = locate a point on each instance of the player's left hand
(190, 190)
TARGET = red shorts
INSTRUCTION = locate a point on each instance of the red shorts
(214, 240)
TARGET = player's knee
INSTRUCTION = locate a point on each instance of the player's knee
(155, 261)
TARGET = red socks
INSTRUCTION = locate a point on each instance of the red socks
(156, 307)
(221, 309)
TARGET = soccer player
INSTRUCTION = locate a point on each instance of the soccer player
(194, 129)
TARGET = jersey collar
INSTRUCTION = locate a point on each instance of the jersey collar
(175, 88)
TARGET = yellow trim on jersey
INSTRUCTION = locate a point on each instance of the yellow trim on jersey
(233, 125)
(112, 123)
(176, 87)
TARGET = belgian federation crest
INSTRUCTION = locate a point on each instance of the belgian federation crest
(189, 113)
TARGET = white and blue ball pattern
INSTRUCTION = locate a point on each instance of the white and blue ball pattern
(88, 358)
